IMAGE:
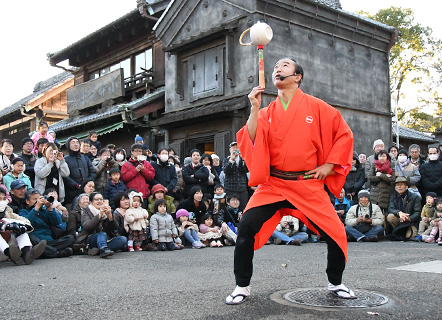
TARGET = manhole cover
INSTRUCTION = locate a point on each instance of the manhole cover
(320, 297)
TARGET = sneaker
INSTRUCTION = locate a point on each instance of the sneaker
(295, 242)
(196, 245)
(106, 252)
(418, 238)
(277, 241)
(138, 248)
(439, 240)
(219, 244)
(36, 251)
(130, 248)
(202, 244)
(213, 243)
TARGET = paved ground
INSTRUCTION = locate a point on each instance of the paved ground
(192, 284)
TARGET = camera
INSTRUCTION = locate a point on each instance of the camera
(55, 152)
(367, 216)
(108, 159)
(49, 198)
(236, 152)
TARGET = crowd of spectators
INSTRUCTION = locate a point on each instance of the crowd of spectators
(98, 200)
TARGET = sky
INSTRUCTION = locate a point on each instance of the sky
(31, 29)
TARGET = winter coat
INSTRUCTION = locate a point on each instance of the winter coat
(189, 205)
(229, 215)
(370, 166)
(137, 179)
(80, 168)
(200, 176)
(165, 174)
(9, 214)
(428, 212)
(412, 205)
(380, 187)
(431, 177)
(170, 205)
(118, 217)
(43, 169)
(207, 186)
(355, 179)
(377, 217)
(9, 177)
(235, 175)
(111, 189)
(162, 227)
(41, 220)
(410, 171)
(102, 168)
(129, 219)
(91, 224)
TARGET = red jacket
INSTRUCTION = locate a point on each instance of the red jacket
(137, 179)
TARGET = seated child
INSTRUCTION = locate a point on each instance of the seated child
(135, 222)
(287, 232)
(342, 205)
(435, 225)
(229, 218)
(187, 230)
(114, 186)
(162, 227)
(17, 173)
(427, 214)
(219, 199)
(158, 192)
(14, 228)
(209, 231)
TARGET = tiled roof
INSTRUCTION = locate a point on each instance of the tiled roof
(408, 133)
(335, 4)
(39, 88)
(108, 113)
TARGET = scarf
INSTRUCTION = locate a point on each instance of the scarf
(383, 167)
(96, 211)
(400, 200)
(403, 164)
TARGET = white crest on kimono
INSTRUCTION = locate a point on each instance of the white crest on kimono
(309, 119)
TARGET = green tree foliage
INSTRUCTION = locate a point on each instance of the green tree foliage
(414, 60)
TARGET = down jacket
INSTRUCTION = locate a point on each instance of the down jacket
(137, 179)
(380, 187)
(162, 227)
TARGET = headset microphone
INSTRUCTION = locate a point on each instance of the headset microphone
(285, 77)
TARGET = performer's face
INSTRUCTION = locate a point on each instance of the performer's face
(285, 67)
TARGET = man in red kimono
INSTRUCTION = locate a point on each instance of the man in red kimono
(292, 148)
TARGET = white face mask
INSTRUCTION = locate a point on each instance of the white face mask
(402, 159)
(164, 157)
(433, 157)
(119, 157)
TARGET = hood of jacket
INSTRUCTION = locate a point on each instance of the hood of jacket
(72, 153)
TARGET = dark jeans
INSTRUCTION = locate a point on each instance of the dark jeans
(99, 240)
(55, 245)
(251, 223)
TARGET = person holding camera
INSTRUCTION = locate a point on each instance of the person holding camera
(235, 171)
(50, 171)
(102, 165)
(6, 156)
(99, 228)
(40, 213)
(137, 172)
(364, 221)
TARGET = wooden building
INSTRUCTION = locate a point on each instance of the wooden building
(119, 79)
(192, 93)
(48, 102)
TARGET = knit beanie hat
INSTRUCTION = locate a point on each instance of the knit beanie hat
(26, 140)
(138, 138)
(158, 187)
(364, 193)
(182, 212)
(379, 141)
(402, 151)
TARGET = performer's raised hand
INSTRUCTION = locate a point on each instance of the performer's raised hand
(255, 97)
